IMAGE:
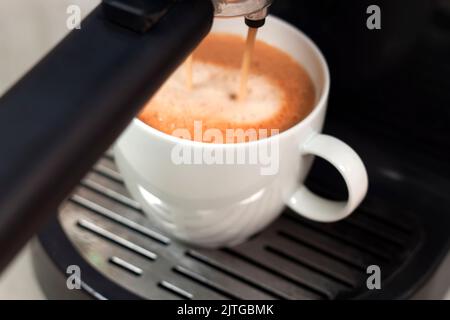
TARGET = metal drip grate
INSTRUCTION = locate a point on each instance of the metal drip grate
(292, 259)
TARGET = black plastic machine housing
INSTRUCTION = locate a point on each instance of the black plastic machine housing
(60, 117)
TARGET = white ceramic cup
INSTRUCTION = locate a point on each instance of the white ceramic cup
(217, 204)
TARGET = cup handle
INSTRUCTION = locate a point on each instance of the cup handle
(352, 169)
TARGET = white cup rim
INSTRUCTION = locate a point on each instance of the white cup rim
(321, 103)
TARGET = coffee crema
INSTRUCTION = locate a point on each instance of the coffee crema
(280, 92)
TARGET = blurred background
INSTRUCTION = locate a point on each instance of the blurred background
(28, 30)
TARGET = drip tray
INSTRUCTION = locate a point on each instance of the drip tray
(121, 255)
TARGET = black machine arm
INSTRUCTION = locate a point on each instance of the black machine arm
(60, 117)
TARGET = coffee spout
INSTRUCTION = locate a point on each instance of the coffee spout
(257, 19)
(254, 11)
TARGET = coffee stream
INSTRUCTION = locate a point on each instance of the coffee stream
(245, 68)
(188, 64)
(246, 63)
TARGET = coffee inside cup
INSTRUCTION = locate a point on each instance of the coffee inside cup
(280, 93)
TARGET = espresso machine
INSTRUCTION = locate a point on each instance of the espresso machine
(389, 99)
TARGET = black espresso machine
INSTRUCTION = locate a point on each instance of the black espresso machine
(389, 100)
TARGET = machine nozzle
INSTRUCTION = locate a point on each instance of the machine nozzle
(257, 19)
(254, 11)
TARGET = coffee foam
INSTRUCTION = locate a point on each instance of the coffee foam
(213, 98)
(280, 92)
